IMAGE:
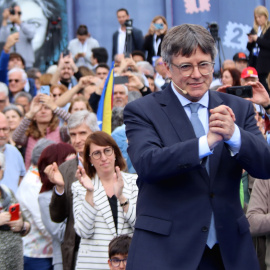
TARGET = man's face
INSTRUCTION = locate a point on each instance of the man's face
(160, 67)
(118, 259)
(102, 72)
(23, 101)
(247, 80)
(4, 130)
(122, 17)
(66, 72)
(15, 82)
(196, 85)
(3, 101)
(78, 137)
(82, 38)
(241, 64)
(120, 98)
(15, 62)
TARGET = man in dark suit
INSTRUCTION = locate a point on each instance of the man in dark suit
(80, 125)
(119, 37)
(189, 163)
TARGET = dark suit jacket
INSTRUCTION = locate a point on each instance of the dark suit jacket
(137, 41)
(177, 196)
(263, 60)
(149, 48)
(61, 207)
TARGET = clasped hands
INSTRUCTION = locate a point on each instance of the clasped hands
(221, 125)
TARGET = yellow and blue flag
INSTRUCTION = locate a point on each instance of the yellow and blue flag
(104, 112)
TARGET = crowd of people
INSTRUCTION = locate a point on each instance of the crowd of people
(184, 162)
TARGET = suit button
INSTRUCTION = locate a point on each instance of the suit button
(212, 195)
(204, 229)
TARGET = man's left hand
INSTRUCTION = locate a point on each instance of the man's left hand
(221, 121)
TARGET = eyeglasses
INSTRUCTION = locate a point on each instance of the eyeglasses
(159, 63)
(186, 70)
(5, 130)
(13, 80)
(116, 262)
(97, 154)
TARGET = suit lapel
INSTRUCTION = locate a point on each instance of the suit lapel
(179, 119)
(176, 114)
(102, 204)
(214, 159)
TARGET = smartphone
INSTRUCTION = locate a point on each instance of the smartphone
(240, 91)
(120, 79)
(45, 89)
(159, 26)
(65, 52)
(14, 211)
(13, 30)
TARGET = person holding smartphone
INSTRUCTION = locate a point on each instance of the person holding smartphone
(11, 249)
(153, 39)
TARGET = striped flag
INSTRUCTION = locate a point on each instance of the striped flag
(104, 112)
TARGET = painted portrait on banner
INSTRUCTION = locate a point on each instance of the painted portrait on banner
(49, 18)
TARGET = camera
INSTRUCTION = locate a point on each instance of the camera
(240, 91)
(213, 28)
(129, 23)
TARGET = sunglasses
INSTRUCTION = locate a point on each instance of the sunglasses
(13, 80)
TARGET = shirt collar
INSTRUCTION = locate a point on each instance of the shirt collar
(204, 101)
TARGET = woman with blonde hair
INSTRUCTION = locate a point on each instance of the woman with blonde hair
(260, 39)
(153, 39)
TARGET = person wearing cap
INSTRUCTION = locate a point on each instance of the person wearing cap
(241, 61)
(249, 74)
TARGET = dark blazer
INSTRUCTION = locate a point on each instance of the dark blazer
(61, 207)
(177, 196)
(149, 48)
(137, 41)
(263, 60)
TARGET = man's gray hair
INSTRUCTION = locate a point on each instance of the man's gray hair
(83, 117)
(3, 88)
(16, 69)
(2, 161)
(146, 68)
(23, 94)
(185, 39)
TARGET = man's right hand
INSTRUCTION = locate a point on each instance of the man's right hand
(55, 177)
(11, 40)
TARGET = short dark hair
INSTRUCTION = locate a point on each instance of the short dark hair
(101, 138)
(14, 55)
(119, 245)
(100, 54)
(140, 53)
(122, 9)
(52, 153)
(82, 30)
(102, 65)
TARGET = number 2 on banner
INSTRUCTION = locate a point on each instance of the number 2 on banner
(236, 35)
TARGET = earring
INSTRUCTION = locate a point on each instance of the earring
(92, 164)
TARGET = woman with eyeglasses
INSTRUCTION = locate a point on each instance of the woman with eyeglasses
(104, 200)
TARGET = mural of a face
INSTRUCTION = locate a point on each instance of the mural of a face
(32, 13)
